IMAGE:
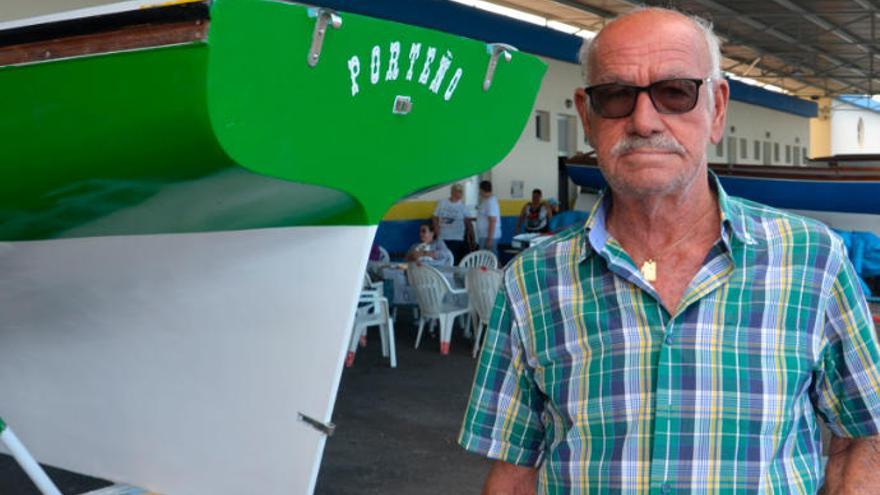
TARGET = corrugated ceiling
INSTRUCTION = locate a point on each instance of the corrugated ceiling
(810, 48)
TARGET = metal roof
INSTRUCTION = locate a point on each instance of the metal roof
(809, 48)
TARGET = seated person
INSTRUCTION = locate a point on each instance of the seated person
(535, 214)
(430, 251)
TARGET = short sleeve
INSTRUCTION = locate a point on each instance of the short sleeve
(495, 211)
(503, 418)
(437, 208)
(847, 392)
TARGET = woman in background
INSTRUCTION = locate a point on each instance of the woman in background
(429, 251)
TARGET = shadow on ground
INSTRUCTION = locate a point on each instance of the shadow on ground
(396, 429)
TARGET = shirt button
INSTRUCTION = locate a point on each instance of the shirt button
(665, 488)
(669, 339)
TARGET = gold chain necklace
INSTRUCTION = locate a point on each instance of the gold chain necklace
(649, 267)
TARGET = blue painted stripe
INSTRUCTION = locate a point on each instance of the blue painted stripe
(462, 20)
(845, 197)
(862, 102)
(754, 95)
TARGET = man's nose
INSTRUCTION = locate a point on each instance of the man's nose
(645, 120)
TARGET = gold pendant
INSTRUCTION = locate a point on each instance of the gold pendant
(649, 270)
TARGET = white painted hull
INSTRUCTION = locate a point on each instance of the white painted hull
(179, 363)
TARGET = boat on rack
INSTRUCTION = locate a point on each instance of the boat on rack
(188, 196)
(843, 192)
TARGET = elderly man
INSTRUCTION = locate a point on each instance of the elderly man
(451, 222)
(682, 341)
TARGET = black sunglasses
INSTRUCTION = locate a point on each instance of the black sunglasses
(669, 96)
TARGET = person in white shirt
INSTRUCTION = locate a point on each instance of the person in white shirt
(450, 221)
(488, 219)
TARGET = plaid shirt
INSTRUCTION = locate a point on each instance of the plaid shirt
(586, 375)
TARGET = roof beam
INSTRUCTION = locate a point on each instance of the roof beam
(764, 28)
(607, 14)
(868, 5)
(839, 31)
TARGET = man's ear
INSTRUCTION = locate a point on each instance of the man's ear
(581, 102)
(719, 117)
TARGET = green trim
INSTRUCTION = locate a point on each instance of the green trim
(2, 426)
(286, 119)
(239, 132)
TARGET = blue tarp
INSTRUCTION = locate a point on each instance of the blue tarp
(864, 253)
(567, 218)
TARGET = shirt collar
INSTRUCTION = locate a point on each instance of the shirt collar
(733, 221)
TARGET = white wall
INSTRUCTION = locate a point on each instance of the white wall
(534, 161)
(844, 130)
(754, 123)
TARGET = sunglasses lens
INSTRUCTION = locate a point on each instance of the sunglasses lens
(674, 95)
(613, 100)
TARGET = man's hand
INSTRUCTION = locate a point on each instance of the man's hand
(853, 466)
(509, 479)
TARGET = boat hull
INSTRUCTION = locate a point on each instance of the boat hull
(180, 363)
(841, 204)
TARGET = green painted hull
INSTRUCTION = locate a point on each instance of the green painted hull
(238, 131)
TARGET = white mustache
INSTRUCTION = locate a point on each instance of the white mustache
(656, 142)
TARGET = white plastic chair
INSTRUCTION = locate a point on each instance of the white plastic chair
(482, 286)
(372, 310)
(437, 301)
(478, 259)
(383, 255)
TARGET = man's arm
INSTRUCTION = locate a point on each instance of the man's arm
(519, 220)
(509, 479)
(469, 236)
(853, 466)
(490, 233)
(435, 220)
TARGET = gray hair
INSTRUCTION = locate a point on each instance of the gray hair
(713, 45)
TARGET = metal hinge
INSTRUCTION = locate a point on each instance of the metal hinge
(325, 428)
(325, 17)
(496, 50)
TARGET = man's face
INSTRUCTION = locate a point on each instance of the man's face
(455, 194)
(536, 197)
(648, 152)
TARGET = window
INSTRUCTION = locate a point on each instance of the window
(567, 132)
(719, 148)
(757, 150)
(787, 153)
(776, 152)
(542, 125)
